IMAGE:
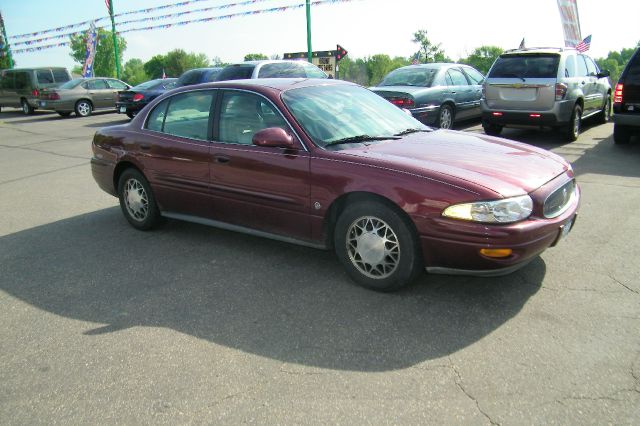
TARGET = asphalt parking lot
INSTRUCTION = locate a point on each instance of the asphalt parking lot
(100, 323)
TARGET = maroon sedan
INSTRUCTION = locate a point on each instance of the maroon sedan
(329, 164)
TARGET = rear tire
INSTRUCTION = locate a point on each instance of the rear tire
(573, 128)
(83, 108)
(621, 134)
(492, 129)
(377, 246)
(445, 117)
(137, 201)
(131, 114)
(605, 114)
(26, 108)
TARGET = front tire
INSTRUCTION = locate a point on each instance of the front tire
(621, 134)
(445, 118)
(575, 124)
(377, 246)
(26, 108)
(83, 108)
(131, 114)
(137, 201)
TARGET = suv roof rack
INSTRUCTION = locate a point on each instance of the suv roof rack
(526, 49)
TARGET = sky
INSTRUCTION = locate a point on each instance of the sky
(363, 27)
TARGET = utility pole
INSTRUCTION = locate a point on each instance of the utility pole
(115, 39)
(309, 50)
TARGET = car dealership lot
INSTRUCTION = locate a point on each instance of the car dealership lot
(100, 322)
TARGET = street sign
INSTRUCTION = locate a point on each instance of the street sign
(326, 60)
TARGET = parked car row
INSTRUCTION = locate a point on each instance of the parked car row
(534, 87)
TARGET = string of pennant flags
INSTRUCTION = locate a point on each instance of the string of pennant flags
(147, 19)
(191, 21)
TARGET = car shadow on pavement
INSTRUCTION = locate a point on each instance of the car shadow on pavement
(263, 297)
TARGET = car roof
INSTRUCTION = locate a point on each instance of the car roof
(551, 50)
(433, 65)
(277, 84)
(271, 61)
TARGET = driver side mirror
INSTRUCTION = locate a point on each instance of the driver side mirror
(274, 137)
(603, 73)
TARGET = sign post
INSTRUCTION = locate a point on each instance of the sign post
(309, 52)
(326, 60)
(115, 39)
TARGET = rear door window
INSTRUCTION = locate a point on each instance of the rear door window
(115, 84)
(570, 66)
(474, 76)
(95, 85)
(44, 76)
(633, 72)
(591, 67)
(188, 115)
(582, 67)
(155, 121)
(22, 80)
(526, 66)
(60, 76)
(457, 78)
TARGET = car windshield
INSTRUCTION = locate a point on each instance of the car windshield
(236, 72)
(147, 85)
(72, 83)
(330, 114)
(414, 76)
(532, 65)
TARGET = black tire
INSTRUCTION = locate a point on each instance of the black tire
(64, 113)
(492, 129)
(131, 114)
(605, 113)
(26, 108)
(139, 208)
(83, 108)
(445, 117)
(572, 131)
(396, 253)
(621, 134)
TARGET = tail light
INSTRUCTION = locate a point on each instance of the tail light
(617, 95)
(35, 92)
(138, 97)
(53, 96)
(561, 91)
(403, 102)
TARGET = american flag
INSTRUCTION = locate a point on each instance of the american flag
(584, 45)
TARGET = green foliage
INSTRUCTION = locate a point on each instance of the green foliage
(133, 72)
(482, 58)
(174, 63)
(354, 71)
(369, 71)
(4, 61)
(255, 57)
(217, 62)
(104, 63)
(428, 51)
(616, 61)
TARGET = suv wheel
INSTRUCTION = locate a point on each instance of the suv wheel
(621, 134)
(573, 129)
(605, 114)
(26, 108)
(492, 129)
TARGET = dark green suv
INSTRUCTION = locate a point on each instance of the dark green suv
(626, 102)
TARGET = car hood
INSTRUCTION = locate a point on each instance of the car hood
(502, 166)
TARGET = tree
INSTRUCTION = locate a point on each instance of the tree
(104, 64)
(154, 67)
(178, 61)
(428, 51)
(4, 60)
(255, 57)
(134, 73)
(378, 66)
(354, 71)
(217, 62)
(616, 61)
(482, 58)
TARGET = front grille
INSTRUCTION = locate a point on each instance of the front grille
(559, 200)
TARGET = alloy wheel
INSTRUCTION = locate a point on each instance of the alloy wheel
(136, 200)
(445, 118)
(84, 109)
(373, 247)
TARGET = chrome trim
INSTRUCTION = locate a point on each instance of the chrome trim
(477, 273)
(423, 109)
(244, 230)
(567, 205)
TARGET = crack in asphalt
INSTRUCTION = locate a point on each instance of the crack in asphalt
(458, 380)
(623, 285)
(43, 173)
(25, 148)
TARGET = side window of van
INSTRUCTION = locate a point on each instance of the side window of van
(44, 76)
(60, 75)
(7, 81)
(22, 80)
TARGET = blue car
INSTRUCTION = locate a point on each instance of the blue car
(134, 99)
(436, 94)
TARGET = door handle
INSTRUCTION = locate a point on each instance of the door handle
(453, 93)
(221, 159)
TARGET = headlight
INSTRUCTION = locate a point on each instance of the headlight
(500, 211)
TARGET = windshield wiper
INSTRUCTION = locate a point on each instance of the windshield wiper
(409, 131)
(507, 75)
(359, 138)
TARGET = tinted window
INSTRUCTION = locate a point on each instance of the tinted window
(244, 114)
(591, 67)
(44, 76)
(236, 72)
(570, 66)
(22, 80)
(212, 75)
(156, 117)
(115, 84)
(474, 76)
(633, 70)
(457, 77)
(190, 77)
(151, 84)
(281, 69)
(526, 66)
(413, 76)
(582, 66)
(60, 76)
(188, 115)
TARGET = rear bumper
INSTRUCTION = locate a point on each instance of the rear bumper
(427, 115)
(130, 107)
(102, 172)
(63, 106)
(559, 115)
(632, 120)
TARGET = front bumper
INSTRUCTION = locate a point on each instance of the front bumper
(559, 115)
